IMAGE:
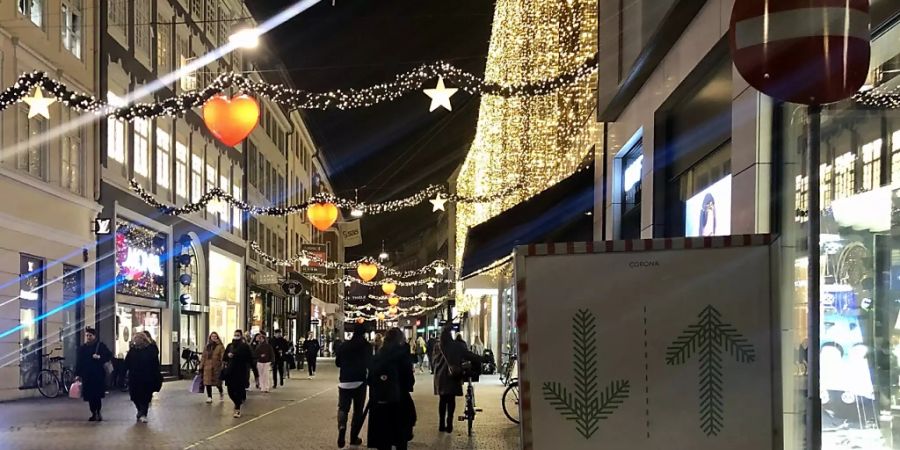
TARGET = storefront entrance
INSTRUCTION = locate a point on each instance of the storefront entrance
(225, 292)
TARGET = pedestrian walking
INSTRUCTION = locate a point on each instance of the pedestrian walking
(379, 342)
(280, 348)
(89, 369)
(253, 366)
(300, 354)
(263, 354)
(420, 353)
(144, 377)
(211, 365)
(353, 358)
(236, 372)
(429, 348)
(478, 346)
(311, 347)
(449, 355)
(392, 413)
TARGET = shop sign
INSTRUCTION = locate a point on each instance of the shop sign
(102, 226)
(140, 270)
(314, 322)
(141, 262)
(320, 252)
(351, 233)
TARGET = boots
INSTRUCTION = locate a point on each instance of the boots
(342, 429)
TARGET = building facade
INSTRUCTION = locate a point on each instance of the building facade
(46, 264)
(692, 150)
(194, 282)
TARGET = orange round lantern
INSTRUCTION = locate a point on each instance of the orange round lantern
(367, 271)
(393, 310)
(380, 316)
(360, 321)
(393, 301)
(389, 288)
(322, 215)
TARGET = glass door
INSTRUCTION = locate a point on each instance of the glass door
(31, 307)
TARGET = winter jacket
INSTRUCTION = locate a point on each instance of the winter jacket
(91, 371)
(280, 347)
(211, 365)
(264, 353)
(447, 353)
(237, 365)
(354, 357)
(144, 377)
(392, 413)
(311, 348)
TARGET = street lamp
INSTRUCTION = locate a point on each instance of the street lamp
(245, 38)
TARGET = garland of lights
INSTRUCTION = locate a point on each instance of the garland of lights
(306, 258)
(417, 309)
(217, 194)
(422, 297)
(877, 98)
(349, 280)
(356, 314)
(352, 98)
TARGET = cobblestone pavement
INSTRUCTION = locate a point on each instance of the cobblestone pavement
(302, 415)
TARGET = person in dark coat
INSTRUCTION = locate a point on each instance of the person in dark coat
(144, 377)
(447, 383)
(280, 349)
(392, 413)
(311, 347)
(89, 370)
(353, 358)
(238, 359)
(429, 350)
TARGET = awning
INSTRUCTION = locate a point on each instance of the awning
(559, 214)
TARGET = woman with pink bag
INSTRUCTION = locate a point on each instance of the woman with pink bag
(211, 365)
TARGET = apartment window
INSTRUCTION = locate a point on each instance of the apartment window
(163, 44)
(872, 164)
(188, 81)
(269, 179)
(281, 195)
(197, 8)
(34, 10)
(181, 169)
(211, 20)
(163, 151)
(115, 145)
(251, 162)
(71, 162)
(225, 185)
(32, 160)
(236, 215)
(263, 185)
(895, 156)
(224, 22)
(71, 28)
(210, 185)
(142, 26)
(196, 177)
(118, 15)
(141, 146)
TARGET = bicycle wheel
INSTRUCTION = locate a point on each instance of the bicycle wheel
(48, 384)
(511, 401)
(68, 377)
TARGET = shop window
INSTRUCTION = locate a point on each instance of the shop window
(131, 320)
(140, 261)
(73, 315)
(31, 310)
(631, 170)
(706, 192)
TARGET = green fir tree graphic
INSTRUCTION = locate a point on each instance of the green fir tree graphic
(587, 405)
(710, 338)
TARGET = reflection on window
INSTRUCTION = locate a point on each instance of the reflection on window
(871, 165)
(71, 29)
(844, 175)
(34, 10)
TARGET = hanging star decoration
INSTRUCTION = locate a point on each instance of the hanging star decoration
(347, 283)
(38, 105)
(439, 202)
(431, 285)
(439, 270)
(440, 95)
(304, 261)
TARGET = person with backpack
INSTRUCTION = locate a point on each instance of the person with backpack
(236, 373)
(353, 358)
(392, 412)
(144, 377)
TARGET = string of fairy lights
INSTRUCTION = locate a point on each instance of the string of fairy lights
(879, 98)
(349, 98)
(437, 195)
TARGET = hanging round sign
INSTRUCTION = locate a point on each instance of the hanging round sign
(811, 52)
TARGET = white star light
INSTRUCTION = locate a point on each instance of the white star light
(347, 283)
(438, 203)
(439, 270)
(304, 261)
(440, 95)
(431, 285)
(38, 105)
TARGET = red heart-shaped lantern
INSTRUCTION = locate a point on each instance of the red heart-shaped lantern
(231, 120)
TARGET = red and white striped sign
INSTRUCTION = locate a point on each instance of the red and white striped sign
(802, 51)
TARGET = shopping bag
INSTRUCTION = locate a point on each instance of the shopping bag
(197, 385)
(75, 390)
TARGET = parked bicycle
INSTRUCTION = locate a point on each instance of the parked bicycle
(54, 380)
(191, 361)
(511, 400)
(507, 370)
(470, 409)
